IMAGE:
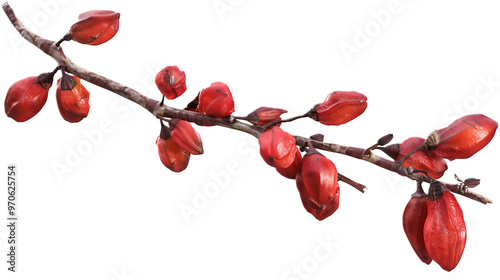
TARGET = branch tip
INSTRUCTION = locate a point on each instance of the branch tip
(356, 185)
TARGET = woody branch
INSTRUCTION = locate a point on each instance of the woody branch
(160, 110)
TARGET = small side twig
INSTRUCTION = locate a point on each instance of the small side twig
(356, 185)
(273, 123)
(66, 37)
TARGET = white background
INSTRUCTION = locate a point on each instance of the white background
(115, 214)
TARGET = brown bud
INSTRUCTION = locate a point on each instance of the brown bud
(384, 140)
(472, 182)
(318, 137)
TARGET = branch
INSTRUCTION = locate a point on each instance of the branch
(162, 111)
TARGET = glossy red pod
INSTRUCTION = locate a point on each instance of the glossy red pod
(340, 107)
(72, 99)
(445, 233)
(26, 97)
(263, 115)
(317, 179)
(277, 147)
(465, 136)
(414, 216)
(290, 172)
(186, 137)
(173, 156)
(428, 161)
(95, 27)
(216, 100)
(171, 82)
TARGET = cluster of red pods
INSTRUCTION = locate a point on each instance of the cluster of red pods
(435, 226)
(434, 223)
(180, 140)
(26, 97)
(461, 139)
(315, 175)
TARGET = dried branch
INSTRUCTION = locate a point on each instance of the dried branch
(162, 111)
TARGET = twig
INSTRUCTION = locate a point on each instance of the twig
(273, 123)
(163, 111)
(354, 184)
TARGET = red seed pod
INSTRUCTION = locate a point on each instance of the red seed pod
(25, 98)
(428, 161)
(465, 136)
(445, 233)
(317, 179)
(216, 101)
(95, 27)
(171, 82)
(277, 147)
(329, 209)
(171, 154)
(72, 98)
(186, 137)
(290, 172)
(340, 107)
(414, 217)
(263, 115)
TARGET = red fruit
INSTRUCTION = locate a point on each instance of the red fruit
(277, 147)
(95, 27)
(445, 233)
(428, 161)
(340, 107)
(414, 217)
(186, 137)
(317, 179)
(263, 115)
(171, 154)
(465, 136)
(25, 98)
(171, 82)
(72, 98)
(216, 101)
(290, 172)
